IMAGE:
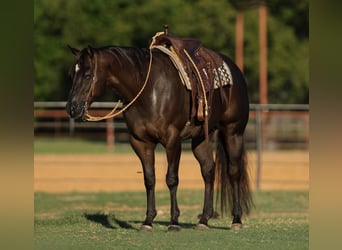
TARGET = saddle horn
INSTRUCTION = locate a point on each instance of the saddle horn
(166, 29)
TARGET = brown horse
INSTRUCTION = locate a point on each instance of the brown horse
(162, 114)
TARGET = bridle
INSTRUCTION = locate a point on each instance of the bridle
(113, 113)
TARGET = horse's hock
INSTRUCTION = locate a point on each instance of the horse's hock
(286, 170)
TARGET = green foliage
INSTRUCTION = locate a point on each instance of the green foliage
(133, 23)
(288, 65)
(111, 221)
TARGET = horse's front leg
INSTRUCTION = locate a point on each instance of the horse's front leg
(173, 152)
(145, 152)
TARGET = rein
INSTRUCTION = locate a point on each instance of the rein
(114, 111)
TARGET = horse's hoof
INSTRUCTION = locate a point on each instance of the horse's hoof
(236, 226)
(146, 228)
(173, 228)
(216, 215)
(201, 226)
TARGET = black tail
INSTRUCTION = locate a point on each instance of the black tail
(224, 189)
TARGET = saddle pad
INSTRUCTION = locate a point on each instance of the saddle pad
(223, 71)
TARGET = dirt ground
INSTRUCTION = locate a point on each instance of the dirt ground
(285, 170)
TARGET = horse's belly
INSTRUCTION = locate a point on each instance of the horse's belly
(190, 131)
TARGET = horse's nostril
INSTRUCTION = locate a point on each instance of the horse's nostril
(67, 108)
(75, 110)
(71, 109)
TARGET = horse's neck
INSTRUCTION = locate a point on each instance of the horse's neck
(128, 74)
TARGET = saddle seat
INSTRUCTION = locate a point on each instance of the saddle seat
(200, 69)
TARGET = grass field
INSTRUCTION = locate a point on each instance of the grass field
(79, 146)
(71, 145)
(111, 221)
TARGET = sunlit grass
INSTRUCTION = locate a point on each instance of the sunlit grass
(111, 221)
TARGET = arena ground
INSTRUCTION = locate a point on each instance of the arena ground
(288, 170)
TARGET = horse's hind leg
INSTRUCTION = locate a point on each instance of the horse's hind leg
(145, 152)
(203, 152)
(234, 173)
(238, 175)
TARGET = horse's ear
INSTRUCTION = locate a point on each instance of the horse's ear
(90, 50)
(73, 50)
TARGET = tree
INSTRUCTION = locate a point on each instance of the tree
(133, 23)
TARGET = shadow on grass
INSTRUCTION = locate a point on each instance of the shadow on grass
(100, 219)
(124, 224)
(182, 225)
(185, 225)
(105, 220)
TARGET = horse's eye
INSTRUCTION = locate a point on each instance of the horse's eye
(87, 76)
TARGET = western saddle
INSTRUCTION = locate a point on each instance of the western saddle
(198, 69)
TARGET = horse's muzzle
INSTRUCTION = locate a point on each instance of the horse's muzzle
(75, 110)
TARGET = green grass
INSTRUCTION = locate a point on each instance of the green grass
(79, 146)
(76, 146)
(110, 221)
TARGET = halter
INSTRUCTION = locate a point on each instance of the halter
(115, 113)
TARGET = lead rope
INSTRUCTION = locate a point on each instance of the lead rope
(113, 113)
(201, 82)
(206, 129)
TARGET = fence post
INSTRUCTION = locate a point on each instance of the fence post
(71, 126)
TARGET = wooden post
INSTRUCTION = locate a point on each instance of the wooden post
(263, 67)
(263, 53)
(262, 85)
(239, 24)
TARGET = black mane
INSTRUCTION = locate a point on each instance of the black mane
(134, 55)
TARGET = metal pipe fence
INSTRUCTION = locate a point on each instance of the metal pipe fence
(260, 116)
(269, 125)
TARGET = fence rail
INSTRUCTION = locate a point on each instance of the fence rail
(269, 125)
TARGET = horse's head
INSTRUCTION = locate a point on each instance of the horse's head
(87, 82)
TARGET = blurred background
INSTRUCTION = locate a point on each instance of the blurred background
(133, 23)
(269, 40)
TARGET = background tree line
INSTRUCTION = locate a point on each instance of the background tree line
(133, 23)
